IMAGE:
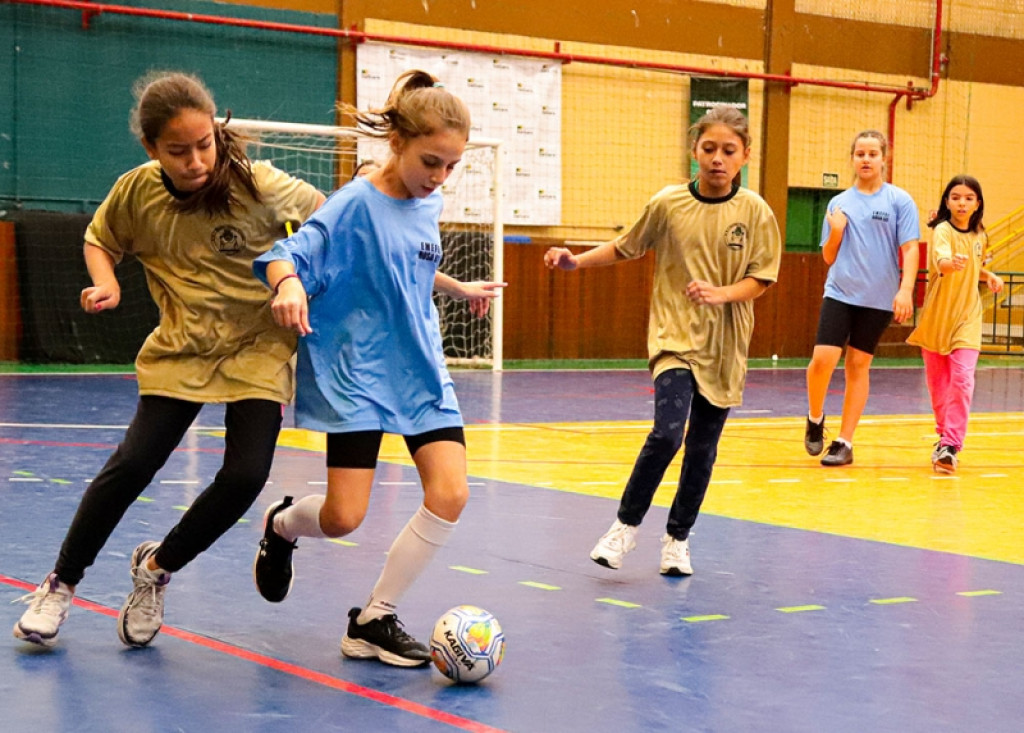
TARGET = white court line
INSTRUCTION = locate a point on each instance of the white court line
(894, 478)
(169, 481)
(840, 480)
(995, 475)
(24, 480)
(783, 480)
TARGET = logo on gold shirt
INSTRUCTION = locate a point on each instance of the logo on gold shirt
(227, 240)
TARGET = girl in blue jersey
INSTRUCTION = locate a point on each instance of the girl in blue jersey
(865, 229)
(356, 282)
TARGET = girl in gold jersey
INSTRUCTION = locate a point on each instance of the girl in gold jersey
(195, 217)
(949, 327)
(717, 248)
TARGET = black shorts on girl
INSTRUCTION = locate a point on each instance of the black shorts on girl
(841, 323)
(360, 449)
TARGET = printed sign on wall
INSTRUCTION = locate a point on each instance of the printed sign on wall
(515, 100)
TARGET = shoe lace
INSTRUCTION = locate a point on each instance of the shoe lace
(395, 628)
(148, 593)
(675, 550)
(618, 538)
(44, 600)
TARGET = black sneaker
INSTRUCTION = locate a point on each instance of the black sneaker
(272, 569)
(839, 454)
(384, 639)
(814, 437)
(945, 460)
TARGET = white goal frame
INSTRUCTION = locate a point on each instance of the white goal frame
(491, 218)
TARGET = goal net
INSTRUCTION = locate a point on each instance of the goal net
(471, 228)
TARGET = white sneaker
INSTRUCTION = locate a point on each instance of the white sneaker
(48, 607)
(611, 548)
(675, 556)
(142, 614)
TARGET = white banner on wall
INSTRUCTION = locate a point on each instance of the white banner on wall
(516, 100)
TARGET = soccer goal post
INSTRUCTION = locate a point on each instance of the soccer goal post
(471, 225)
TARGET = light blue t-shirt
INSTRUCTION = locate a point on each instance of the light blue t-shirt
(374, 360)
(866, 271)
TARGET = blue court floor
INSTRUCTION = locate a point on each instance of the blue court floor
(873, 598)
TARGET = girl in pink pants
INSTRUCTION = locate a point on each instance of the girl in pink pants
(949, 328)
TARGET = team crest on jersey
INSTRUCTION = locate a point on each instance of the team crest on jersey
(227, 240)
(736, 236)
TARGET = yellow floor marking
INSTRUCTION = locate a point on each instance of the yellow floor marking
(621, 604)
(975, 593)
(539, 586)
(799, 609)
(888, 494)
(464, 569)
(891, 601)
(343, 543)
(700, 619)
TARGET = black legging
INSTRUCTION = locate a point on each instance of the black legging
(252, 427)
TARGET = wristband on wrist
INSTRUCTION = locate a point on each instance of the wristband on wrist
(286, 277)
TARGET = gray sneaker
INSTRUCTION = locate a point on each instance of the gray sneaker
(839, 454)
(814, 437)
(48, 606)
(945, 460)
(142, 614)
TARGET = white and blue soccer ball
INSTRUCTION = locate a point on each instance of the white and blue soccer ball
(467, 644)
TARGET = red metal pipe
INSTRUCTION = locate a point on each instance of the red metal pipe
(912, 94)
(90, 9)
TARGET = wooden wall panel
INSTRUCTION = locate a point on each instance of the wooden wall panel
(602, 313)
(10, 303)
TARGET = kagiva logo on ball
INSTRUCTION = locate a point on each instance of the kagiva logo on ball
(467, 644)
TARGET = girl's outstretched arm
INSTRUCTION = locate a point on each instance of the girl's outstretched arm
(479, 293)
(599, 256)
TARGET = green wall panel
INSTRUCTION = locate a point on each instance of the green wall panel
(71, 86)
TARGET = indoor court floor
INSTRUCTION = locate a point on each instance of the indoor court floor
(873, 597)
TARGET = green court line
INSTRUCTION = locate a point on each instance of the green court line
(539, 586)
(145, 499)
(343, 543)
(464, 569)
(616, 602)
(975, 593)
(24, 473)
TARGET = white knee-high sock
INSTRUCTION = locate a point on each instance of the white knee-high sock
(302, 519)
(410, 553)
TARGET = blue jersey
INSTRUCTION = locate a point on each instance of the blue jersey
(374, 360)
(866, 271)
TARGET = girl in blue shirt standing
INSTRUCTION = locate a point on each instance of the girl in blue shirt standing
(356, 282)
(865, 229)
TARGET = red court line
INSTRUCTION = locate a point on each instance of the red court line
(293, 669)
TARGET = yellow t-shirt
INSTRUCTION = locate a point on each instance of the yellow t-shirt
(216, 340)
(721, 241)
(952, 313)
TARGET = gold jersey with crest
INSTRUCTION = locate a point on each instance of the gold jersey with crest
(721, 241)
(216, 340)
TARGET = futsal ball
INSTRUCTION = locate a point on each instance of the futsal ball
(467, 644)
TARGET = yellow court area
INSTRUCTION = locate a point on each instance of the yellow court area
(889, 494)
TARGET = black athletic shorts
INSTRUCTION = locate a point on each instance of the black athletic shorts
(841, 323)
(360, 449)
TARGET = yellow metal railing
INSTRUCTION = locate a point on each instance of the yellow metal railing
(1006, 241)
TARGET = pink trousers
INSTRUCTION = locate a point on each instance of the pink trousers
(951, 386)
